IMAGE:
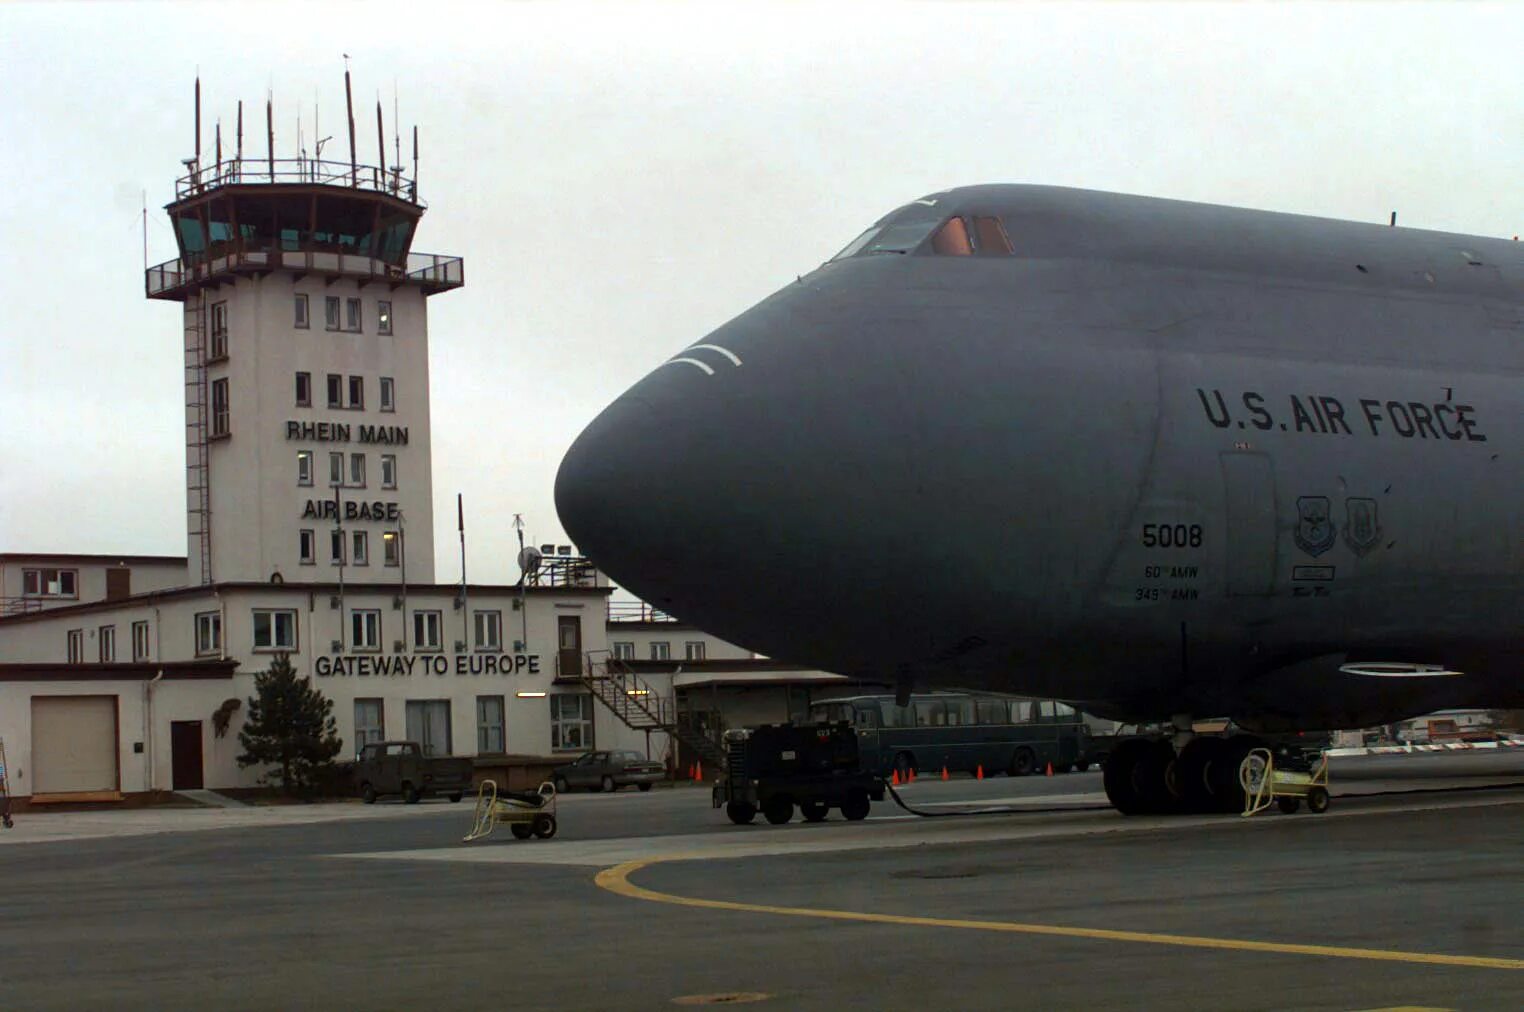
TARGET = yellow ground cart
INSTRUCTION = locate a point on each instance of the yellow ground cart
(525, 813)
(1265, 784)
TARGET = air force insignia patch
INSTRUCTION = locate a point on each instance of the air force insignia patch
(1362, 531)
(1315, 530)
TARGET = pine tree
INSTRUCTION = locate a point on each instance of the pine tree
(291, 727)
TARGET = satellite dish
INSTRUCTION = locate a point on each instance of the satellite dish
(529, 559)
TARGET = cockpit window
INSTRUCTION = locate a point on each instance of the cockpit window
(905, 231)
(951, 240)
(990, 234)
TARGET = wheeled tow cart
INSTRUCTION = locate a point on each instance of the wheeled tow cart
(525, 813)
(1265, 784)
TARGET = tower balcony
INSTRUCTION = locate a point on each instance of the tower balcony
(177, 280)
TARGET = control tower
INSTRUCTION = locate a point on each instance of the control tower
(306, 364)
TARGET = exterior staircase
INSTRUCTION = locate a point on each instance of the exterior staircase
(642, 708)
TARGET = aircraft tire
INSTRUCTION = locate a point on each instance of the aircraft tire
(1119, 776)
(1194, 771)
(1156, 775)
(1223, 775)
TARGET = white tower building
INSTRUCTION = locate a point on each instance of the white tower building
(306, 368)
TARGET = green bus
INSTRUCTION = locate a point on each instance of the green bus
(962, 731)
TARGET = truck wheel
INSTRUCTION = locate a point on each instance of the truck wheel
(521, 830)
(455, 797)
(607, 785)
(645, 787)
(545, 826)
(778, 809)
(368, 794)
(1023, 762)
(814, 811)
(856, 805)
(410, 794)
(560, 785)
(1317, 800)
(740, 812)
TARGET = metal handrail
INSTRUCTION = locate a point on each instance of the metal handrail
(297, 171)
(636, 611)
(19, 605)
(422, 268)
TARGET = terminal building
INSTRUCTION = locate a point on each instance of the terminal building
(309, 504)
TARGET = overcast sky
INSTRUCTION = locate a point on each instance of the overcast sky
(622, 179)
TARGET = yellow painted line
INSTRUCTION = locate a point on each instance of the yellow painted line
(617, 880)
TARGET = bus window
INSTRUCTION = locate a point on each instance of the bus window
(1021, 711)
(1065, 710)
(898, 716)
(930, 713)
(866, 715)
(1048, 711)
(991, 711)
(959, 711)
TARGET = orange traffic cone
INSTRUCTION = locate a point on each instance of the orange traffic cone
(912, 774)
(1050, 769)
(979, 773)
(944, 772)
(894, 778)
(698, 770)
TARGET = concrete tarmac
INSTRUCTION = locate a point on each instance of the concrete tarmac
(1400, 896)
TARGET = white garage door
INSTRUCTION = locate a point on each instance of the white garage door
(74, 744)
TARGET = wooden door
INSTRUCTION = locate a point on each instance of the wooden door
(185, 755)
(118, 583)
(569, 639)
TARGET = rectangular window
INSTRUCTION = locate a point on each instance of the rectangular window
(208, 633)
(307, 544)
(335, 390)
(221, 422)
(623, 651)
(106, 640)
(274, 629)
(489, 630)
(361, 542)
(391, 548)
(76, 646)
(357, 470)
(427, 627)
(219, 348)
(365, 629)
(49, 582)
(661, 650)
(304, 467)
(370, 723)
(336, 547)
(300, 305)
(335, 468)
(571, 723)
(304, 389)
(489, 724)
(331, 312)
(388, 394)
(140, 641)
(388, 470)
(352, 315)
(383, 317)
(428, 723)
(695, 650)
(356, 392)
(991, 711)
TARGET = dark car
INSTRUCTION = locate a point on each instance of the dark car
(608, 771)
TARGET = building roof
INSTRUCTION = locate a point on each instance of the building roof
(140, 671)
(87, 557)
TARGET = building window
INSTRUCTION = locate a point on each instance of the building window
(208, 633)
(388, 470)
(365, 629)
(383, 317)
(49, 583)
(304, 389)
(274, 629)
(357, 470)
(335, 468)
(427, 626)
(335, 390)
(331, 312)
(489, 724)
(221, 423)
(694, 650)
(304, 467)
(571, 722)
(623, 651)
(307, 542)
(106, 637)
(76, 646)
(219, 349)
(361, 555)
(352, 315)
(661, 650)
(388, 394)
(428, 723)
(140, 641)
(336, 547)
(489, 630)
(370, 723)
(357, 392)
(391, 548)
(300, 305)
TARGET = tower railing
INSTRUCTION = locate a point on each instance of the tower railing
(174, 278)
(296, 172)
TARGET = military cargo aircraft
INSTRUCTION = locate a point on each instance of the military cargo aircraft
(1163, 459)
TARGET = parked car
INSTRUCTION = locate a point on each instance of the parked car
(607, 771)
(400, 767)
